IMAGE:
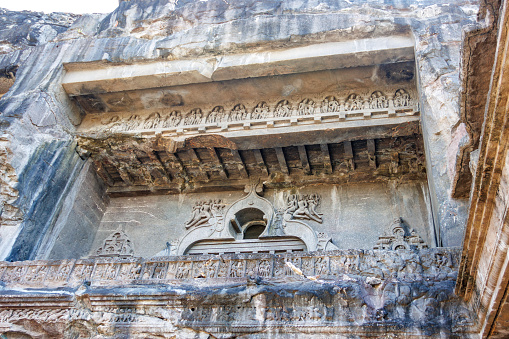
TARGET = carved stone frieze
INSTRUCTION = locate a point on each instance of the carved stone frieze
(439, 263)
(377, 100)
(290, 291)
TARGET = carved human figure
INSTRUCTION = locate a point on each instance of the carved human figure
(133, 122)
(401, 98)
(354, 102)
(216, 115)
(306, 107)
(330, 105)
(238, 113)
(261, 111)
(377, 100)
(194, 117)
(153, 121)
(313, 201)
(304, 207)
(173, 119)
(201, 214)
(282, 109)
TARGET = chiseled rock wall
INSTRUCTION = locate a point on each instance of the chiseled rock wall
(36, 109)
(354, 216)
(350, 293)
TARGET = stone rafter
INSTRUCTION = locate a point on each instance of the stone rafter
(141, 163)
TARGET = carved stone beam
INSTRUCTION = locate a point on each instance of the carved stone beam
(327, 165)
(196, 163)
(103, 173)
(174, 163)
(371, 153)
(219, 163)
(240, 163)
(260, 162)
(394, 162)
(282, 160)
(304, 159)
(349, 154)
(124, 175)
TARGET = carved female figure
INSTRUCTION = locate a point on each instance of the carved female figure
(330, 105)
(282, 109)
(261, 111)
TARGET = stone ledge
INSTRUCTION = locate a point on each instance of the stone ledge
(88, 78)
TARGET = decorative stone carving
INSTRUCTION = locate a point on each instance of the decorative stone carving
(203, 211)
(173, 119)
(377, 100)
(238, 113)
(306, 107)
(330, 105)
(261, 111)
(283, 109)
(398, 237)
(153, 121)
(194, 117)
(216, 115)
(117, 244)
(214, 229)
(133, 122)
(401, 98)
(304, 207)
(354, 102)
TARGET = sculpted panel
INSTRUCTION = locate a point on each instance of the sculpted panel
(372, 101)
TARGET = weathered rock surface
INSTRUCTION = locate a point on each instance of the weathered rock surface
(239, 296)
(36, 107)
(19, 30)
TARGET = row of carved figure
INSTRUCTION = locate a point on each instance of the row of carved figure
(330, 104)
(432, 263)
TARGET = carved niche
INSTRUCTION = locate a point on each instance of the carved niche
(117, 245)
(252, 224)
(399, 237)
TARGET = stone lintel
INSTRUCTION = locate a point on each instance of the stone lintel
(93, 78)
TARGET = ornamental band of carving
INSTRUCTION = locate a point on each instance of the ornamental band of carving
(400, 100)
(330, 265)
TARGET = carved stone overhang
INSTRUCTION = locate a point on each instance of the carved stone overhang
(301, 114)
(347, 292)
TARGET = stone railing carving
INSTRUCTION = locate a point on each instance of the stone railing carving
(438, 263)
(352, 106)
(340, 291)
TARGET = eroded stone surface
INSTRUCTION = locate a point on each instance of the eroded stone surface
(253, 296)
